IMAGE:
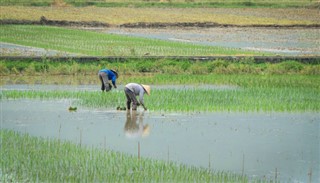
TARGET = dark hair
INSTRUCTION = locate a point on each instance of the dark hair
(117, 75)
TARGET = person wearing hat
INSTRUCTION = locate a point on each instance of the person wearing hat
(105, 76)
(134, 129)
(132, 90)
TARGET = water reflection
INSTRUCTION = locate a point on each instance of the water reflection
(283, 147)
(134, 129)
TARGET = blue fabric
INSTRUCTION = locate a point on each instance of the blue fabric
(111, 75)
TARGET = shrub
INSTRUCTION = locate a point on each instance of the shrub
(144, 66)
(14, 70)
(41, 67)
(172, 69)
(311, 70)
(285, 67)
(198, 68)
(3, 69)
(30, 70)
(291, 66)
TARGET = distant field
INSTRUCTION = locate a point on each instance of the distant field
(121, 15)
(167, 3)
(102, 44)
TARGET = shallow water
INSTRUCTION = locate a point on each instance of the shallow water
(291, 41)
(42, 87)
(10, 49)
(282, 145)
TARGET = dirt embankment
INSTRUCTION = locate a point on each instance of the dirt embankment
(44, 21)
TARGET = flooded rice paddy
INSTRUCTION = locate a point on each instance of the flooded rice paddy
(290, 41)
(282, 41)
(281, 146)
(11, 49)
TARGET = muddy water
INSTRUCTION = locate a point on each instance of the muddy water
(282, 145)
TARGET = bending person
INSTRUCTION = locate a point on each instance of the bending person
(132, 90)
(105, 76)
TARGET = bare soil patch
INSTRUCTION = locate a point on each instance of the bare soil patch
(44, 21)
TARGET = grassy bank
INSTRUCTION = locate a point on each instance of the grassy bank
(102, 44)
(140, 67)
(166, 3)
(30, 159)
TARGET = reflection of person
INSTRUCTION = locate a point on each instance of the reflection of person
(105, 75)
(132, 90)
(132, 128)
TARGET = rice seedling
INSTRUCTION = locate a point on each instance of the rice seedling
(290, 90)
(102, 44)
(26, 158)
(250, 93)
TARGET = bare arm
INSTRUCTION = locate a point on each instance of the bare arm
(141, 94)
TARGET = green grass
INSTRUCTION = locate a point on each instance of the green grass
(169, 3)
(285, 86)
(101, 44)
(138, 67)
(290, 93)
(30, 159)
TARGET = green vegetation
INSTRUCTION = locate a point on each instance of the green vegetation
(285, 86)
(138, 67)
(245, 93)
(165, 3)
(30, 159)
(101, 44)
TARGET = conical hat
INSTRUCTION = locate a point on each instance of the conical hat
(147, 88)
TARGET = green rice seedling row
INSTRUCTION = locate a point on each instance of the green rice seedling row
(30, 159)
(193, 100)
(102, 44)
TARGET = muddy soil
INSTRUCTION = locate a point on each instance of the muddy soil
(44, 21)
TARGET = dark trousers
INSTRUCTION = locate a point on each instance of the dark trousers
(131, 97)
(105, 85)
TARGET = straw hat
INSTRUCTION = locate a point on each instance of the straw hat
(146, 130)
(115, 73)
(146, 88)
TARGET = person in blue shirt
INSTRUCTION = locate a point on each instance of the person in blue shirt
(105, 75)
